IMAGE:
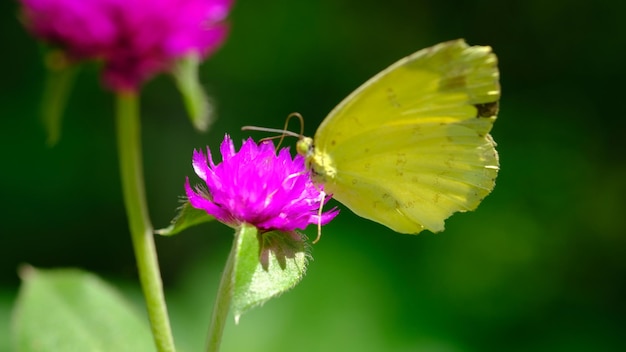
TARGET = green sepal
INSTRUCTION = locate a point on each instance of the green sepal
(199, 107)
(73, 310)
(266, 265)
(59, 82)
(187, 216)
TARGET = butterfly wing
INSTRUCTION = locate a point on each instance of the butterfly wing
(411, 146)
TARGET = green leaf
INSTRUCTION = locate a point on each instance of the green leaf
(59, 82)
(187, 216)
(199, 107)
(266, 265)
(72, 310)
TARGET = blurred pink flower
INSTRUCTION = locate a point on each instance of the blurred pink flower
(135, 39)
(258, 187)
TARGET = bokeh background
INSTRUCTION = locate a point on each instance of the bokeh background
(540, 266)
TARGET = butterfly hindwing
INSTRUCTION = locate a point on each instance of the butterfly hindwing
(411, 146)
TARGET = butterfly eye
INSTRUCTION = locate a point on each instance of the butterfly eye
(305, 147)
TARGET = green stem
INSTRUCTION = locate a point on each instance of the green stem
(223, 298)
(131, 172)
(59, 81)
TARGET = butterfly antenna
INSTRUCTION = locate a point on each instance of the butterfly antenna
(293, 114)
(283, 133)
(300, 118)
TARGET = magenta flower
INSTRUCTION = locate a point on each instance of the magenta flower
(258, 187)
(135, 39)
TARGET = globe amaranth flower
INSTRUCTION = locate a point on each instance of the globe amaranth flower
(258, 187)
(135, 39)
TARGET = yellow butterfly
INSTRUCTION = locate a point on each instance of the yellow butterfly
(411, 146)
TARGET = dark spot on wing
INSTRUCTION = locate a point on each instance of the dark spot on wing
(436, 198)
(393, 99)
(400, 164)
(453, 83)
(487, 109)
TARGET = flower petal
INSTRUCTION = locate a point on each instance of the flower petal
(199, 163)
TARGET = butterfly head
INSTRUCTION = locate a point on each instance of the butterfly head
(304, 146)
(319, 163)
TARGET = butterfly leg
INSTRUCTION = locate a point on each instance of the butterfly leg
(319, 217)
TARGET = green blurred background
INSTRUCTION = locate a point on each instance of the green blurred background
(540, 266)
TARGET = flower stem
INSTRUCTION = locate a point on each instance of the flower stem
(223, 298)
(131, 172)
(57, 88)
